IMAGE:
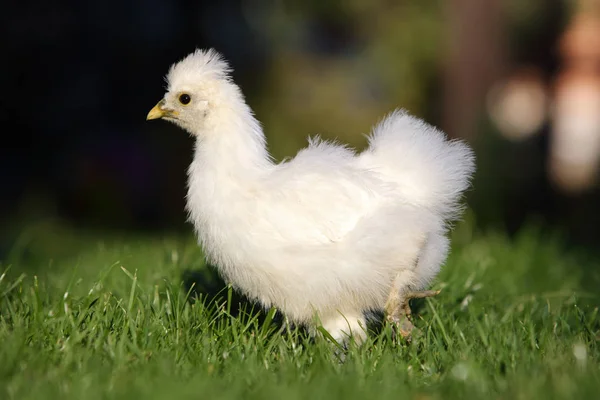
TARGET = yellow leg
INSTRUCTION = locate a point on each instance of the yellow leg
(398, 311)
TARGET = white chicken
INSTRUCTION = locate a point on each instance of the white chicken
(329, 234)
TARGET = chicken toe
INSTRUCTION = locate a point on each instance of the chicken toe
(398, 311)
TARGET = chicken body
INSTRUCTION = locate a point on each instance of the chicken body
(329, 234)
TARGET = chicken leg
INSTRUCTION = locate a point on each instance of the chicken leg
(397, 309)
(344, 327)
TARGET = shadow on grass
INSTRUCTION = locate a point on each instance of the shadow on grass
(207, 286)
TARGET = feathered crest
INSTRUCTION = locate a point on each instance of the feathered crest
(197, 66)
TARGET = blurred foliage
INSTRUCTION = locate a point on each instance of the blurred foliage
(337, 67)
(334, 68)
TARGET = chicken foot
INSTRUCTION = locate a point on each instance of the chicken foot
(398, 311)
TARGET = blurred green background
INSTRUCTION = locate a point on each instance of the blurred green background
(517, 79)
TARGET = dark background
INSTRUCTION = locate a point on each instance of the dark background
(79, 77)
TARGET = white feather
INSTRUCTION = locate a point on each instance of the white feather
(326, 233)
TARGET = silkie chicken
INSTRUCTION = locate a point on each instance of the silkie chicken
(329, 234)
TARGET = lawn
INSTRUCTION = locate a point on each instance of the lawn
(99, 315)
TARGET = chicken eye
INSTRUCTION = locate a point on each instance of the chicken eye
(185, 99)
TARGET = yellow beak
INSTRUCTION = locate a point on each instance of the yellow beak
(159, 112)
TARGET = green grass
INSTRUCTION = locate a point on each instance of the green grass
(82, 316)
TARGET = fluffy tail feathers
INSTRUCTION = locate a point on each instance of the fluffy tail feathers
(430, 170)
